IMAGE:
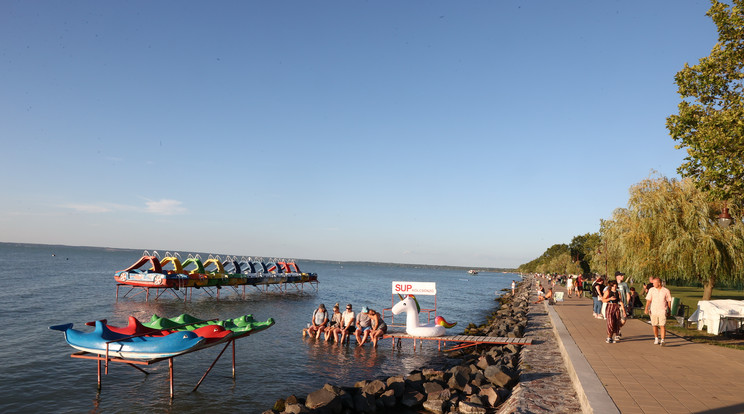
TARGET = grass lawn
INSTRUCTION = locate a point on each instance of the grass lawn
(690, 296)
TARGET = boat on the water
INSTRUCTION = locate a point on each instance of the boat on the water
(212, 333)
(104, 341)
(170, 272)
(473, 272)
(161, 337)
(238, 327)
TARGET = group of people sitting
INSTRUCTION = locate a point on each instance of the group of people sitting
(367, 325)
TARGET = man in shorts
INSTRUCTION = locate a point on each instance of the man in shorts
(659, 302)
(363, 326)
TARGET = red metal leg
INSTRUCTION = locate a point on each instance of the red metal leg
(211, 366)
(170, 372)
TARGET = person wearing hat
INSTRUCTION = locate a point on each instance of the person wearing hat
(347, 323)
(363, 326)
(318, 322)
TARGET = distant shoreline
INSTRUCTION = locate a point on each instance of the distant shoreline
(325, 261)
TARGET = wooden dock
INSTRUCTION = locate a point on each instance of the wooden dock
(461, 341)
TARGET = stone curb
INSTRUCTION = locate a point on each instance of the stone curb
(592, 394)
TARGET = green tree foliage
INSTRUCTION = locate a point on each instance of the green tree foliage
(710, 123)
(550, 261)
(583, 248)
(670, 230)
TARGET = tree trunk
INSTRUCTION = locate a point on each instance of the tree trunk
(708, 288)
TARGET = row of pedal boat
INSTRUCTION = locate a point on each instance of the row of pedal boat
(160, 337)
(170, 272)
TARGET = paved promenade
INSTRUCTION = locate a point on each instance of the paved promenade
(639, 377)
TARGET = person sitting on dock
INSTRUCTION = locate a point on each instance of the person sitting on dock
(318, 322)
(379, 327)
(333, 325)
(347, 323)
(363, 326)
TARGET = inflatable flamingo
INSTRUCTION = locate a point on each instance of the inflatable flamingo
(409, 305)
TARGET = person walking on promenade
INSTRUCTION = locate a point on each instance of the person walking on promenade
(597, 288)
(658, 302)
(615, 312)
(569, 285)
(623, 289)
(580, 286)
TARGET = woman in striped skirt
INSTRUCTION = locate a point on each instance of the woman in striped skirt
(614, 312)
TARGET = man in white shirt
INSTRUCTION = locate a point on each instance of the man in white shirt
(658, 301)
(347, 321)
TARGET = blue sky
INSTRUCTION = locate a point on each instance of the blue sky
(435, 132)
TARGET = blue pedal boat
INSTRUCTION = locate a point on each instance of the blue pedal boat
(128, 346)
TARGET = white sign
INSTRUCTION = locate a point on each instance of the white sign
(415, 288)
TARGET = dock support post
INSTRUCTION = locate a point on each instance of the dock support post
(233, 358)
(170, 372)
(99, 375)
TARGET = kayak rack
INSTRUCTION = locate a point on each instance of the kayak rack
(103, 364)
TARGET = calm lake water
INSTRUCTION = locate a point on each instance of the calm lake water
(49, 285)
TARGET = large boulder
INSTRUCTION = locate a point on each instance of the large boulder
(320, 398)
(485, 361)
(292, 399)
(375, 388)
(296, 409)
(465, 407)
(459, 379)
(279, 405)
(431, 387)
(443, 395)
(500, 376)
(490, 396)
(434, 406)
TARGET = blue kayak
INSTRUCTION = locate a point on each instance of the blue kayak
(126, 346)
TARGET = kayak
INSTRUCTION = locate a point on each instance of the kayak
(128, 346)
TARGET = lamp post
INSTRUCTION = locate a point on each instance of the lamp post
(724, 219)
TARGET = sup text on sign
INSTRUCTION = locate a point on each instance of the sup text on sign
(415, 288)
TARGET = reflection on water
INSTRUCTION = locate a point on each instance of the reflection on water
(40, 290)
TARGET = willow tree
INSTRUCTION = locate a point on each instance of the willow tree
(669, 229)
(710, 123)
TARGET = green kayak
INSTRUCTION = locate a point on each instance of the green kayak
(240, 326)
